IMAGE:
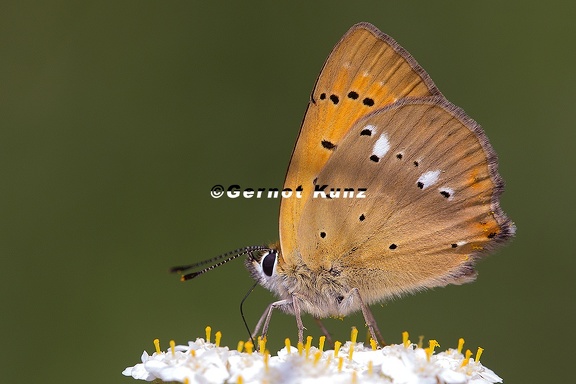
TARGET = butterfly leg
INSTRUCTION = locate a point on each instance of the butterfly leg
(368, 316)
(324, 330)
(370, 320)
(264, 321)
(299, 323)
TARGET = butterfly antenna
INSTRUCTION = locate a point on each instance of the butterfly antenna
(242, 312)
(226, 257)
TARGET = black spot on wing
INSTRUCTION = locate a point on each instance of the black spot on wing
(328, 145)
(368, 101)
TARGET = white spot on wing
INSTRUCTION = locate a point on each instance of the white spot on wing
(461, 243)
(382, 146)
(429, 178)
(370, 128)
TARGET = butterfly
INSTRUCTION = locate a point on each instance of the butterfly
(399, 190)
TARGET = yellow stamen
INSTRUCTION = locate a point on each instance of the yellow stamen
(239, 380)
(193, 352)
(430, 350)
(218, 338)
(287, 344)
(370, 367)
(262, 343)
(208, 332)
(405, 340)
(157, 346)
(308, 345)
(249, 347)
(321, 343)
(172, 347)
(186, 380)
(373, 344)
(300, 347)
(420, 341)
(337, 346)
(354, 377)
(317, 357)
(328, 361)
(478, 354)
(466, 358)
(240, 346)
(340, 363)
(460, 345)
(266, 359)
(351, 351)
(353, 334)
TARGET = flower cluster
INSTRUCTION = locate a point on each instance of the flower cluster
(204, 362)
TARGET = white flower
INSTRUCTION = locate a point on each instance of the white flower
(204, 362)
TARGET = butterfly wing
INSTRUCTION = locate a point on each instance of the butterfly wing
(366, 70)
(431, 205)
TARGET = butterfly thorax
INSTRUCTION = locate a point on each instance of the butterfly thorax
(322, 292)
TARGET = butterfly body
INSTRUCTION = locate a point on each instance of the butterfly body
(320, 292)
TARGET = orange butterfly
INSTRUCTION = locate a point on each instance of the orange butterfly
(377, 124)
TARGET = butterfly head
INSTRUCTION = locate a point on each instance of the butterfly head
(263, 266)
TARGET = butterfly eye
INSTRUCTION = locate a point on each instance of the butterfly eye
(268, 263)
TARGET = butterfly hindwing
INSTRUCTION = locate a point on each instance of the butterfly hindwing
(366, 70)
(431, 204)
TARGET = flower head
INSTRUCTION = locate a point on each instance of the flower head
(202, 361)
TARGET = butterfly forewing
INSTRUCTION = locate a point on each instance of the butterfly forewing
(367, 70)
(431, 204)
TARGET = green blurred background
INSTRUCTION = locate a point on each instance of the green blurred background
(116, 119)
